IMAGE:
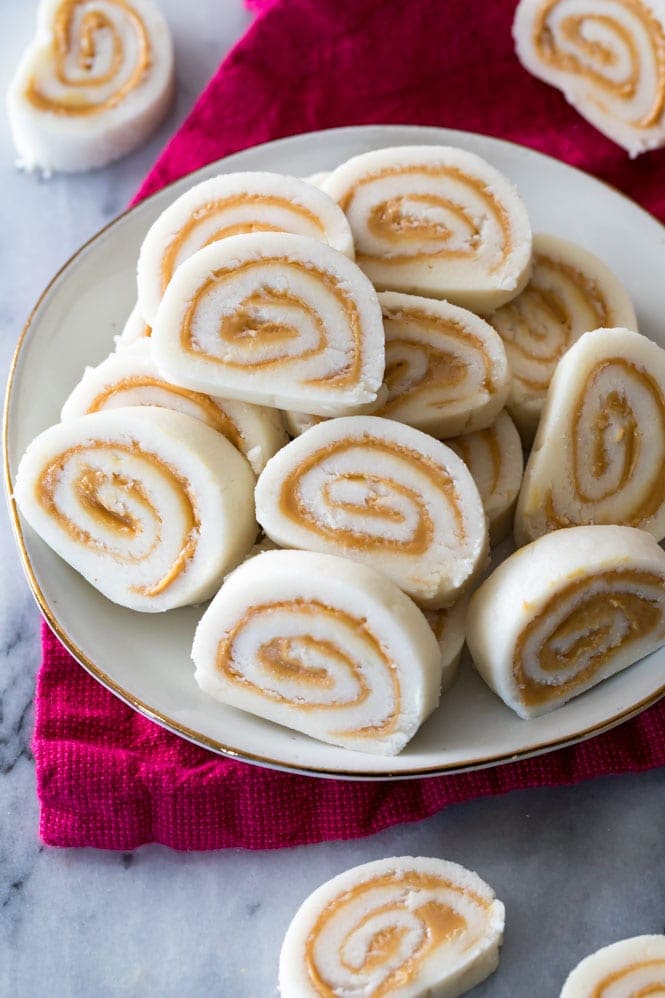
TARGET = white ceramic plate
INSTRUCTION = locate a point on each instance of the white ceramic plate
(146, 660)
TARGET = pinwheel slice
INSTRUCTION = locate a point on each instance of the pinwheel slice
(599, 453)
(297, 422)
(435, 221)
(381, 493)
(321, 645)
(494, 458)
(230, 205)
(446, 369)
(408, 927)
(131, 378)
(152, 507)
(569, 293)
(94, 83)
(631, 968)
(606, 56)
(449, 626)
(276, 319)
(134, 329)
(566, 612)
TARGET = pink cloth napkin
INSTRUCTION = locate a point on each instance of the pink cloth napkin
(108, 777)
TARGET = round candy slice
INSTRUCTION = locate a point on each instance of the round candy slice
(446, 369)
(606, 56)
(570, 292)
(135, 328)
(449, 626)
(131, 378)
(321, 645)
(380, 493)
(152, 507)
(631, 968)
(96, 80)
(599, 453)
(408, 927)
(280, 320)
(494, 458)
(230, 205)
(566, 612)
(435, 221)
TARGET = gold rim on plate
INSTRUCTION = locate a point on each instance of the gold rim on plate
(164, 720)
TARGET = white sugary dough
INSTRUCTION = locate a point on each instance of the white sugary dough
(152, 507)
(134, 329)
(626, 969)
(569, 293)
(323, 646)
(228, 205)
(76, 110)
(131, 378)
(435, 221)
(277, 319)
(297, 422)
(381, 493)
(606, 58)
(564, 613)
(494, 458)
(449, 626)
(319, 178)
(599, 452)
(407, 926)
(446, 368)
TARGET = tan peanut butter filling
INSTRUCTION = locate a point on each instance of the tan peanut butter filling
(246, 326)
(393, 222)
(602, 55)
(487, 450)
(210, 412)
(653, 988)
(520, 322)
(377, 501)
(284, 658)
(205, 212)
(65, 42)
(440, 922)
(599, 454)
(586, 633)
(445, 368)
(88, 490)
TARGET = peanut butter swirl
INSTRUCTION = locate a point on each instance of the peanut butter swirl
(377, 493)
(564, 43)
(415, 366)
(656, 986)
(412, 226)
(77, 58)
(420, 926)
(249, 331)
(289, 657)
(605, 613)
(103, 495)
(607, 446)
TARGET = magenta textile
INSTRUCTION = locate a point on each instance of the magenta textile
(108, 777)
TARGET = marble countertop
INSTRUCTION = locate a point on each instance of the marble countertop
(576, 867)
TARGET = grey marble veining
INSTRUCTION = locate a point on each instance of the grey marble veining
(577, 867)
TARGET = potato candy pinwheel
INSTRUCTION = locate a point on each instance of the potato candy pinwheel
(276, 319)
(323, 646)
(494, 458)
(449, 627)
(407, 926)
(231, 205)
(152, 507)
(131, 378)
(570, 292)
(566, 612)
(607, 58)
(435, 221)
(381, 493)
(599, 453)
(446, 369)
(95, 81)
(631, 968)
(134, 329)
